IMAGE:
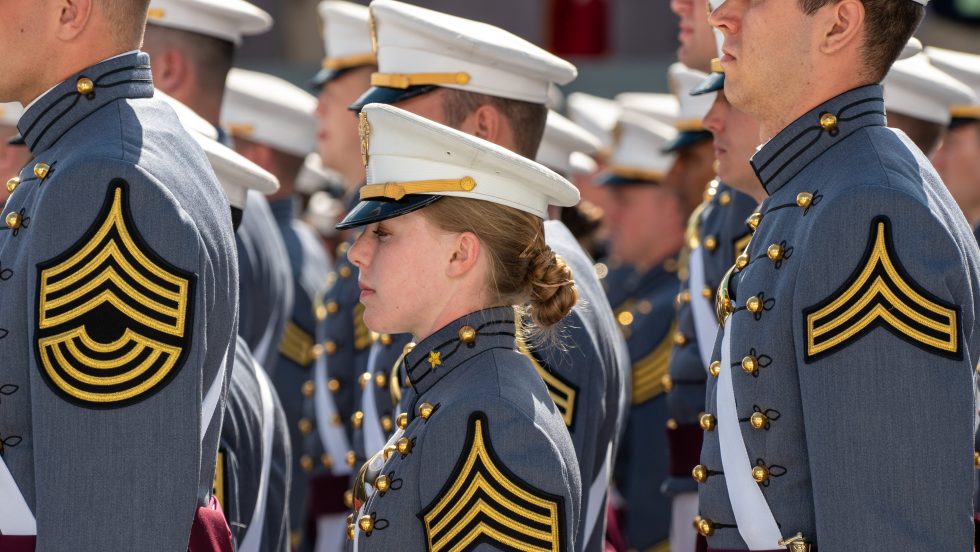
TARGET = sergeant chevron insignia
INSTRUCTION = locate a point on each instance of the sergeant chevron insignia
(484, 503)
(649, 371)
(881, 293)
(562, 392)
(297, 345)
(114, 318)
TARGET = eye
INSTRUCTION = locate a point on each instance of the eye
(380, 233)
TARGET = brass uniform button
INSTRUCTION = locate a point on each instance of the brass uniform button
(326, 461)
(342, 249)
(365, 379)
(14, 220)
(321, 313)
(679, 339)
(700, 473)
(706, 527)
(13, 183)
(715, 368)
(804, 199)
(467, 334)
(742, 261)
(758, 420)
(672, 424)
(351, 458)
(330, 347)
(724, 198)
(344, 272)
(333, 385)
(84, 86)
(306, 462)
(350, 528)
(381, 379)
(386, 424)
(754, 304)
(388, 451)
(316, 351)
(41, 170)
(404, 446)
(760, 474)
(601, 270)
(976, 460)
(750, 364)
(708, 422)
(707, 293)
(775, 252)
(754, 220)
(385, 339)
(305, 426)
(402, 420)
(667, 383)
(336, 421)
(382, 484)
(366, 524)
(425, 410)
(357, 419)
(308, 389)
(625, 318)
(332, 307)
(349, 501)
(828, 122)
(711, 243)
(685, 297)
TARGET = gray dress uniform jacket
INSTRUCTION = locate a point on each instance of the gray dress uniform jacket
(245, 459)
(850, 348)
(380, 390)
(646, 318)
(482, 459)
(119, 288)
(718, 228)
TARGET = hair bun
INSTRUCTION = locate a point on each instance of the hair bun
(550, 287)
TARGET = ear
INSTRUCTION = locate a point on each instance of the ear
(484, 122)
(171, 70)
(465, 254)
(845, 26)
(74, 18)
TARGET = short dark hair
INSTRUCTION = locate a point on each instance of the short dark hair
(212, 57)
(527, 119)
(128, 17)
(925, 134)
(888, 26)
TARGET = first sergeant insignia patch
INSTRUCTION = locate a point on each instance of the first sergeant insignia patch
(881, 293)
(562, 392)
(114, 319)
(484, 503)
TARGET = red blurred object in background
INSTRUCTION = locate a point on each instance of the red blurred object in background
(578, 27)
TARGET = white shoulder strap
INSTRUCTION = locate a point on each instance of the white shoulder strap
(15, 516)
(374, 437)
(333, 436)
(252, 540)
(702, 310)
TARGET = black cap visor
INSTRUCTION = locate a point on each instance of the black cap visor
(377, 210)
(712, 83)
(685, 139)
(390, 96)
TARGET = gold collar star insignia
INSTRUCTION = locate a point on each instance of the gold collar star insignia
(434, 358)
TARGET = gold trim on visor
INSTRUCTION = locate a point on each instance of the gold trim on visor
(635, 172)
(402, 81)
(240, 130)
(398, 190)
(156, 13)
(353, 60)
(716, 66)
(689, 125)
(965, 111)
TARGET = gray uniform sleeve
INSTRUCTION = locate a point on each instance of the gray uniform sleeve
(885, 320)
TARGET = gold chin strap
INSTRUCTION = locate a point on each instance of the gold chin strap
(689, 125)
(398, 190)
(343, 62)
(716, 66)
(636, 173)
(403, 81)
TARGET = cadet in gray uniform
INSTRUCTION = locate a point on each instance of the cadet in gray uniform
(488, 82)
(13, 155)
(194, 44)
(853, 308)
(481, 456)
(119, 290)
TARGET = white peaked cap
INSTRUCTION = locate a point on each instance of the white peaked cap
(596, 115)
(662, 107)
(561, 139)
(346, 35)
(225, 19)
(683, 80)
(639, 149)
(414, 44)
(266, 109)
(965, 68)
(411, 160)
(314, 177)
(236, 174)
(323, 212)
(10, 113)
(915, 88)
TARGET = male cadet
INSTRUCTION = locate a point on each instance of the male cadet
(919, 97)
(855, 308)
(193, 45)
(485, 81)
(13, 156)
(646, 230)
(958, 159)
(252, 472)
(119, 290)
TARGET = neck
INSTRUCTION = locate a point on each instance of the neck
(287, 185)
(818, 90)
(63, 67)
(456, 305)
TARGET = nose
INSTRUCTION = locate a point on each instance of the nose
(681, 7)
(722, 16)
(714, 120)
(357, 253)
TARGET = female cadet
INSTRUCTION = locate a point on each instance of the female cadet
(453, 239)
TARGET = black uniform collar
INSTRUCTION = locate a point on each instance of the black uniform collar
(804, 140)
(64, 106)
(441, 352)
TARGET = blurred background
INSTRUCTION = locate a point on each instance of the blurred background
(617, 45)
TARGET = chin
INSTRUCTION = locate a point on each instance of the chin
(379, 321)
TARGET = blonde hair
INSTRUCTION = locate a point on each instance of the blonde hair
(523, 269)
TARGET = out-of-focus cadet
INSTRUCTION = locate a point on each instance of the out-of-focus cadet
(252, 471)
(697, 41)
(313, 177)
(119, 287)
(192, 43)
(488, 82)
(273, 125)
(958, 159)
(13, 156)
(919, 97)
(860, 273)
(646, 231)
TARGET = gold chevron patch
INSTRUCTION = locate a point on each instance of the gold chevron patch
(562, 392)
(114, 319)
(297, 345)
(880, 293)
(219, 479)
(484, 503)
(649, 372)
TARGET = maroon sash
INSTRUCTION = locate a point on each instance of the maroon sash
(210, 531)
(17, 543)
